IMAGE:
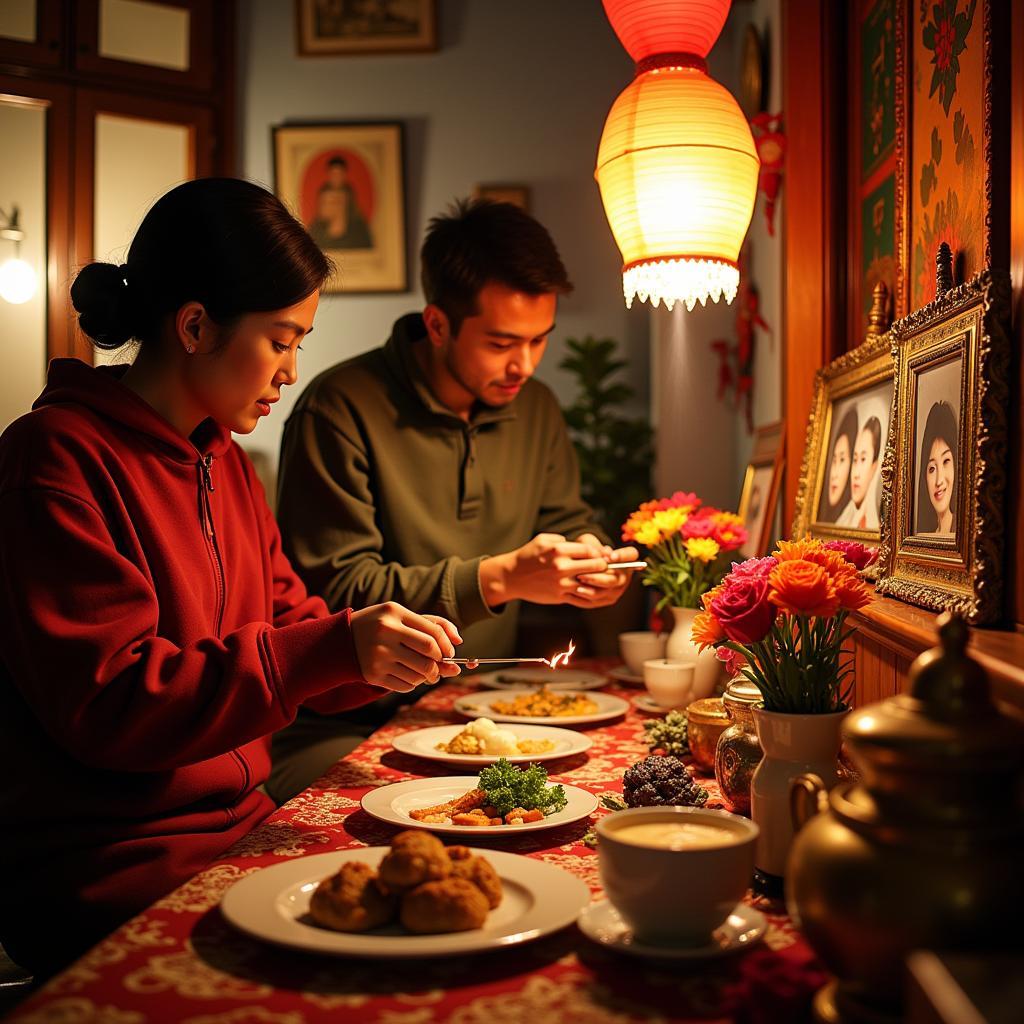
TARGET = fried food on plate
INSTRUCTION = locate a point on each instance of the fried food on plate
(467, 865)
(442, 813)
(414, 858)
(352, 900)
(449, 905)
(544, 703)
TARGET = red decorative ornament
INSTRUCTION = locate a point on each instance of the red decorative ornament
(649, 27)
(736, 358)
(771, 148)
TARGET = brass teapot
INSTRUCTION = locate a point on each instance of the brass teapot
(925, 850)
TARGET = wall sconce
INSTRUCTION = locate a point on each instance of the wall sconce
(676, 165)
(17, 278)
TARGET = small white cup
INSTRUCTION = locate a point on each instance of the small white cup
(675, 896)
(637, 647)
(669, 682)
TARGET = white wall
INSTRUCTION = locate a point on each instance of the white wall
(517, 92)
(23, 327)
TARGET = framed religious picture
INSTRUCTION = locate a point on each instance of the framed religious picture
(329, 28)
(840, 491)
(344, 182)
(945, 464)
(760, 492)
(517, 195)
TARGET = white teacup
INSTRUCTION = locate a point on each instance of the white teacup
(637, 647)
(669, 682)
(675, 895)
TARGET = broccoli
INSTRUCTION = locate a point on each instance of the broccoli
(661, 781)
(507, 786)
(668, 734)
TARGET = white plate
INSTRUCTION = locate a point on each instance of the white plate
(476, 705)
(645, 702)
(272, 905)
(423, 743)
(393, 804)
(743, 928)
(559, 679)
(621, 674)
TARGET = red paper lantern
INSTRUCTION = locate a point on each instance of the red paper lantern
(649, 27)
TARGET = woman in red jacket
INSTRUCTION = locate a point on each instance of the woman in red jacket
(153, 634)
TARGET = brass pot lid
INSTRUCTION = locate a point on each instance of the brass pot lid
(742, 692)
(707, 711)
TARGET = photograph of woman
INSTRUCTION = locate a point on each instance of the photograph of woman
(863, 510)
(835, 494)
(937, 451)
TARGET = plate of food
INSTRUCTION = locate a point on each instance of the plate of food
(505, 799)
(542, 707)
(560, 679)
(482, 742)
(416, 898)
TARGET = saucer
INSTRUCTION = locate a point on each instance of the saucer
(645, 702)
(621, 674)
(601, 923)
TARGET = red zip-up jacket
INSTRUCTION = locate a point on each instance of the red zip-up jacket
(152, 636)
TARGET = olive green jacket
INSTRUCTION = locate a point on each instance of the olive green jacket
(385, 494)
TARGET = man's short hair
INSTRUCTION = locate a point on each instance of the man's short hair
(479, 242)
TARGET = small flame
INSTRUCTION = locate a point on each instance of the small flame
(562, 659)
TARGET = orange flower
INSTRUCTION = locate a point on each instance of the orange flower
(791, 550)
(801, 587)
(851, 591)
(705, 630)
(711, 595)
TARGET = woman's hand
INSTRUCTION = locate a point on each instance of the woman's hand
(398, 649)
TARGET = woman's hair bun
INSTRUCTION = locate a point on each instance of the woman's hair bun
(103, 301)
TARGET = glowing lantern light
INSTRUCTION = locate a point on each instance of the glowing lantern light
(676, 165)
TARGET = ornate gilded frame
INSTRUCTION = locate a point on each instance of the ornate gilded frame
(769, 452)
(860, 369)
(963, 573)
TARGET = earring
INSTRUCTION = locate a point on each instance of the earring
(190, 348)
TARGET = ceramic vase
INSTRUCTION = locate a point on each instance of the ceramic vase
(680, 647)
(793, 744)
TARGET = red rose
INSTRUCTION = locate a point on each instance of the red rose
(856, 554)
(698, 526)
(743, 609)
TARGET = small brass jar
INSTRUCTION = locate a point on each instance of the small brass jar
(739, 751)
(706, 720)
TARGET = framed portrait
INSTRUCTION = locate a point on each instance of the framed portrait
(760, 492)
(345, 183)
(328, 28)
(945, 463)
(517, 195)
(840, 494)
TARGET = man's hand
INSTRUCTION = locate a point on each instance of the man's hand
(398, 649)
(547, 570)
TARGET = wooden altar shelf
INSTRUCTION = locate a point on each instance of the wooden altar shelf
(891, 634)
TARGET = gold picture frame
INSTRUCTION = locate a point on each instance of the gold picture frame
(345, 183)
(840, 495)
(332, 28)
(759, 495)
(942, 539)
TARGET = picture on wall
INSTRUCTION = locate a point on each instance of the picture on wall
(344, 182)
(517, 195)
(338, 27)
(945, 463)
(945, 104)
(840, 495)
(760, 492)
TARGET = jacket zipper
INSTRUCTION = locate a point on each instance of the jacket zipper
(206, 515)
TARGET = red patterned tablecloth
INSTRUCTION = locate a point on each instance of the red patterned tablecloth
(180, 961)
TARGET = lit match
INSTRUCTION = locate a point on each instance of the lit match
(560, 660)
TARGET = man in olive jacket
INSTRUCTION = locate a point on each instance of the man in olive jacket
(435, 472)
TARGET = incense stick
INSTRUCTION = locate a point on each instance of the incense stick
(493, 661)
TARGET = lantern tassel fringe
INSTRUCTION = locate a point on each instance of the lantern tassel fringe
(680, 280)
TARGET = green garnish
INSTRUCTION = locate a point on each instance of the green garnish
(507, 787)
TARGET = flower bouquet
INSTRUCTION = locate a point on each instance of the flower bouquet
(688, 545)
(781, 622)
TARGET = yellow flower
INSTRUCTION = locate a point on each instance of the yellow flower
(647, 534)
(702, 549)
(669, 520)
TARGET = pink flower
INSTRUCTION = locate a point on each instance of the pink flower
(698, 526)
(756, 568)
(856, 554)
(732, 660)
(743, 609)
